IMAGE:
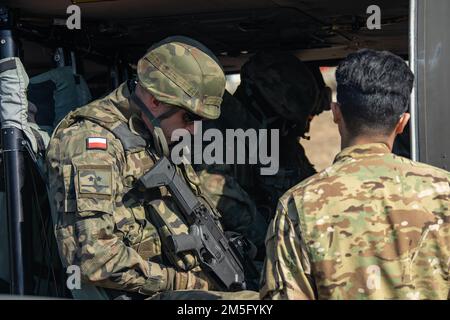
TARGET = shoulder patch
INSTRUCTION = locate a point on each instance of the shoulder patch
(94, 180)
(93, 143)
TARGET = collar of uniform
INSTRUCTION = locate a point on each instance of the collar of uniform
(137, 126)
(363, 151)
(120, 99)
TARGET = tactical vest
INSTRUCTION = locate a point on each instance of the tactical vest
(154, 215)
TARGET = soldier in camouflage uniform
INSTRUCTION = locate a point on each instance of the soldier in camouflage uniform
(112, 230)
(277, 91)
(373, 225)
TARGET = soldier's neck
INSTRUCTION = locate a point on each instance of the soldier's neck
(349, 141)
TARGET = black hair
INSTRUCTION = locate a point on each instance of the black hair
(373, 90)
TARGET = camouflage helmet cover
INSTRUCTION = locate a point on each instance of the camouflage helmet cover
(182, 72)
(283, 83)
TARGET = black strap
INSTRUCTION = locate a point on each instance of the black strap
(154, 120)
(169, 113)
(130, 141)
(8, 65)
(139, 103)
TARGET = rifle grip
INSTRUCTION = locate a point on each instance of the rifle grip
(181, 243)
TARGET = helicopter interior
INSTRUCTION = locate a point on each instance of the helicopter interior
(114, 34)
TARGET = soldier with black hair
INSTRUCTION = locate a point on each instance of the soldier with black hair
(373, 225)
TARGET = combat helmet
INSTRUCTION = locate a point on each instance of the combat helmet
(182, 72)
(282, 86)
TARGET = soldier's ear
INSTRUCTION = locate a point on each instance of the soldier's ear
(337, 115)
(402, 123)
(147, 98)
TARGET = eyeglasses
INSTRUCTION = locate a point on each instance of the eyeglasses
(190, 117)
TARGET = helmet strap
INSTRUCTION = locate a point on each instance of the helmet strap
(159, 140)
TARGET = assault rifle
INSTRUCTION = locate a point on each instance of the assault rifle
(222, 258)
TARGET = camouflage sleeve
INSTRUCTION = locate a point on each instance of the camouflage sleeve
(88, 193)
(286, 269)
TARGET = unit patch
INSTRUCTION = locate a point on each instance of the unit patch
(94, 180)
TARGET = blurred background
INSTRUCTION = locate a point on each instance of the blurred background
(324, 143)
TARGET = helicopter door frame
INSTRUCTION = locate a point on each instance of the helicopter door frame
(430, 110)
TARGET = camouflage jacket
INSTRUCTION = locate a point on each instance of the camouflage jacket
(372, 226)
(103, 225)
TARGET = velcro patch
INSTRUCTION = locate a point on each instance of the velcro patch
(94, 180)
(96, 143)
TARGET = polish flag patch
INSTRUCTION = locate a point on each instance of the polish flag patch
(96, 143)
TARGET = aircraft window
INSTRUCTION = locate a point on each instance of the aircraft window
(325, 141)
